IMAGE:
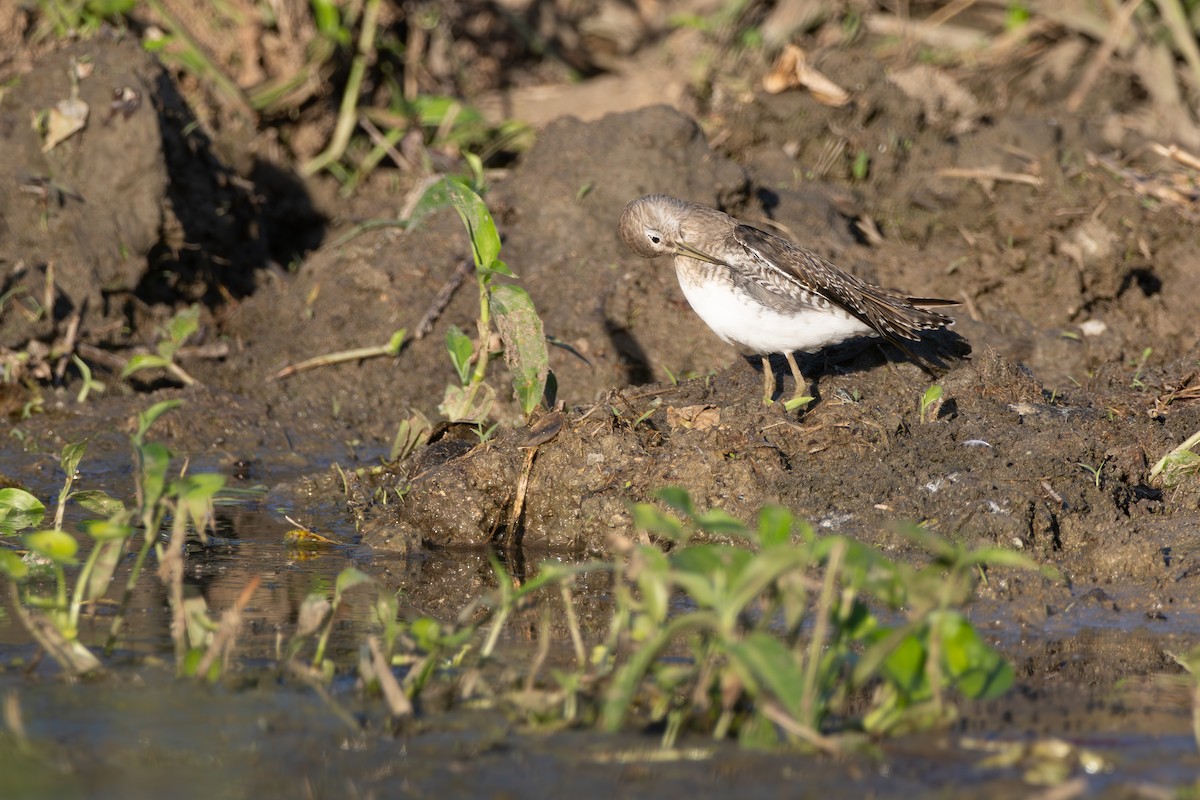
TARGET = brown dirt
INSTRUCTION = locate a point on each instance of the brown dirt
(1065, 278)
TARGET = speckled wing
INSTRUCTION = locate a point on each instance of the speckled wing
(893, 315)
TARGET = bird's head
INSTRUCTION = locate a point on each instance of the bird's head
(650, 225)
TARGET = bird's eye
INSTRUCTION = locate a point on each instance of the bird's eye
(654, 237)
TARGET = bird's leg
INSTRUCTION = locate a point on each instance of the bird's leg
(799, 396)
(768, 380)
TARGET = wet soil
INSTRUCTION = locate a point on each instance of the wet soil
(1071, 370)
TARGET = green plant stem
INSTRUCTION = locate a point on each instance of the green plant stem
(62, 501)
(485, 335)
(150, 526)
(812, 663)
(323, 641)
(341, 357)
(625, 681)
(81, 582)
(348, 113)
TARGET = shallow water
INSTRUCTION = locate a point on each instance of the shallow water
(140, 732)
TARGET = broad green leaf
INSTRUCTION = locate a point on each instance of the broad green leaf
(766, 664)
(348, 579)
(144, 361)
(55, 545)
(147, 418)
(153, 460)
(106, 530)
(652, 581)
(524, 339)
(108, 555)
(12, 565)
(179, 328)
(198, 486)
(650, 519)
(481, 229)
(936, 545)
(775, 526)
(19, 509)
(99, 502)
(426, 632)
(458, 404)
(435, 197)
(677, 498)
(979, 672)
(1003, 557)
(72, 454)
(718, 521)
(195, 498)
(905, 667)
(458, 344)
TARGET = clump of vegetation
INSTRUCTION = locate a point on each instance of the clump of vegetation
(783, 629)
(51, 613)
(772, 635)
(506, 306)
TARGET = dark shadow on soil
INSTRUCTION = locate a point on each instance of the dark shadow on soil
(232, 227)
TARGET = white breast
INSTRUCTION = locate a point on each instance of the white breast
(741, 321)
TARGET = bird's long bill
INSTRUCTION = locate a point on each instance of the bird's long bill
(691, 252)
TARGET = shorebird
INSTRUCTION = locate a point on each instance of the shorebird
(764, 294)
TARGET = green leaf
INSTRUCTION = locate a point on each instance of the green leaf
(105, 530)
(718, 521)
(905, 667)
(524, 339)
(55, 545)
(652, 581)
(767, 665)
(195, 498)
(107, 557)
(460, 404)
(936, 545)
(19, 509)
(485, 241)
(144, 361)
(153, 460)
(348, 579)
(72, 454)
(426, 632)
(199, 486)
(459, 346)
(979, 672)
(179, 328)
(677, 498)
(12, 565)
(147, 418)
(775, 526)
(650, 519)
(99, 502)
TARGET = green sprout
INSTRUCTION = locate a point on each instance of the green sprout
(930, 398)
(171, 339)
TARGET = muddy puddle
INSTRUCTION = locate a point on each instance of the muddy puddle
(1073, 367)
(140, 731)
